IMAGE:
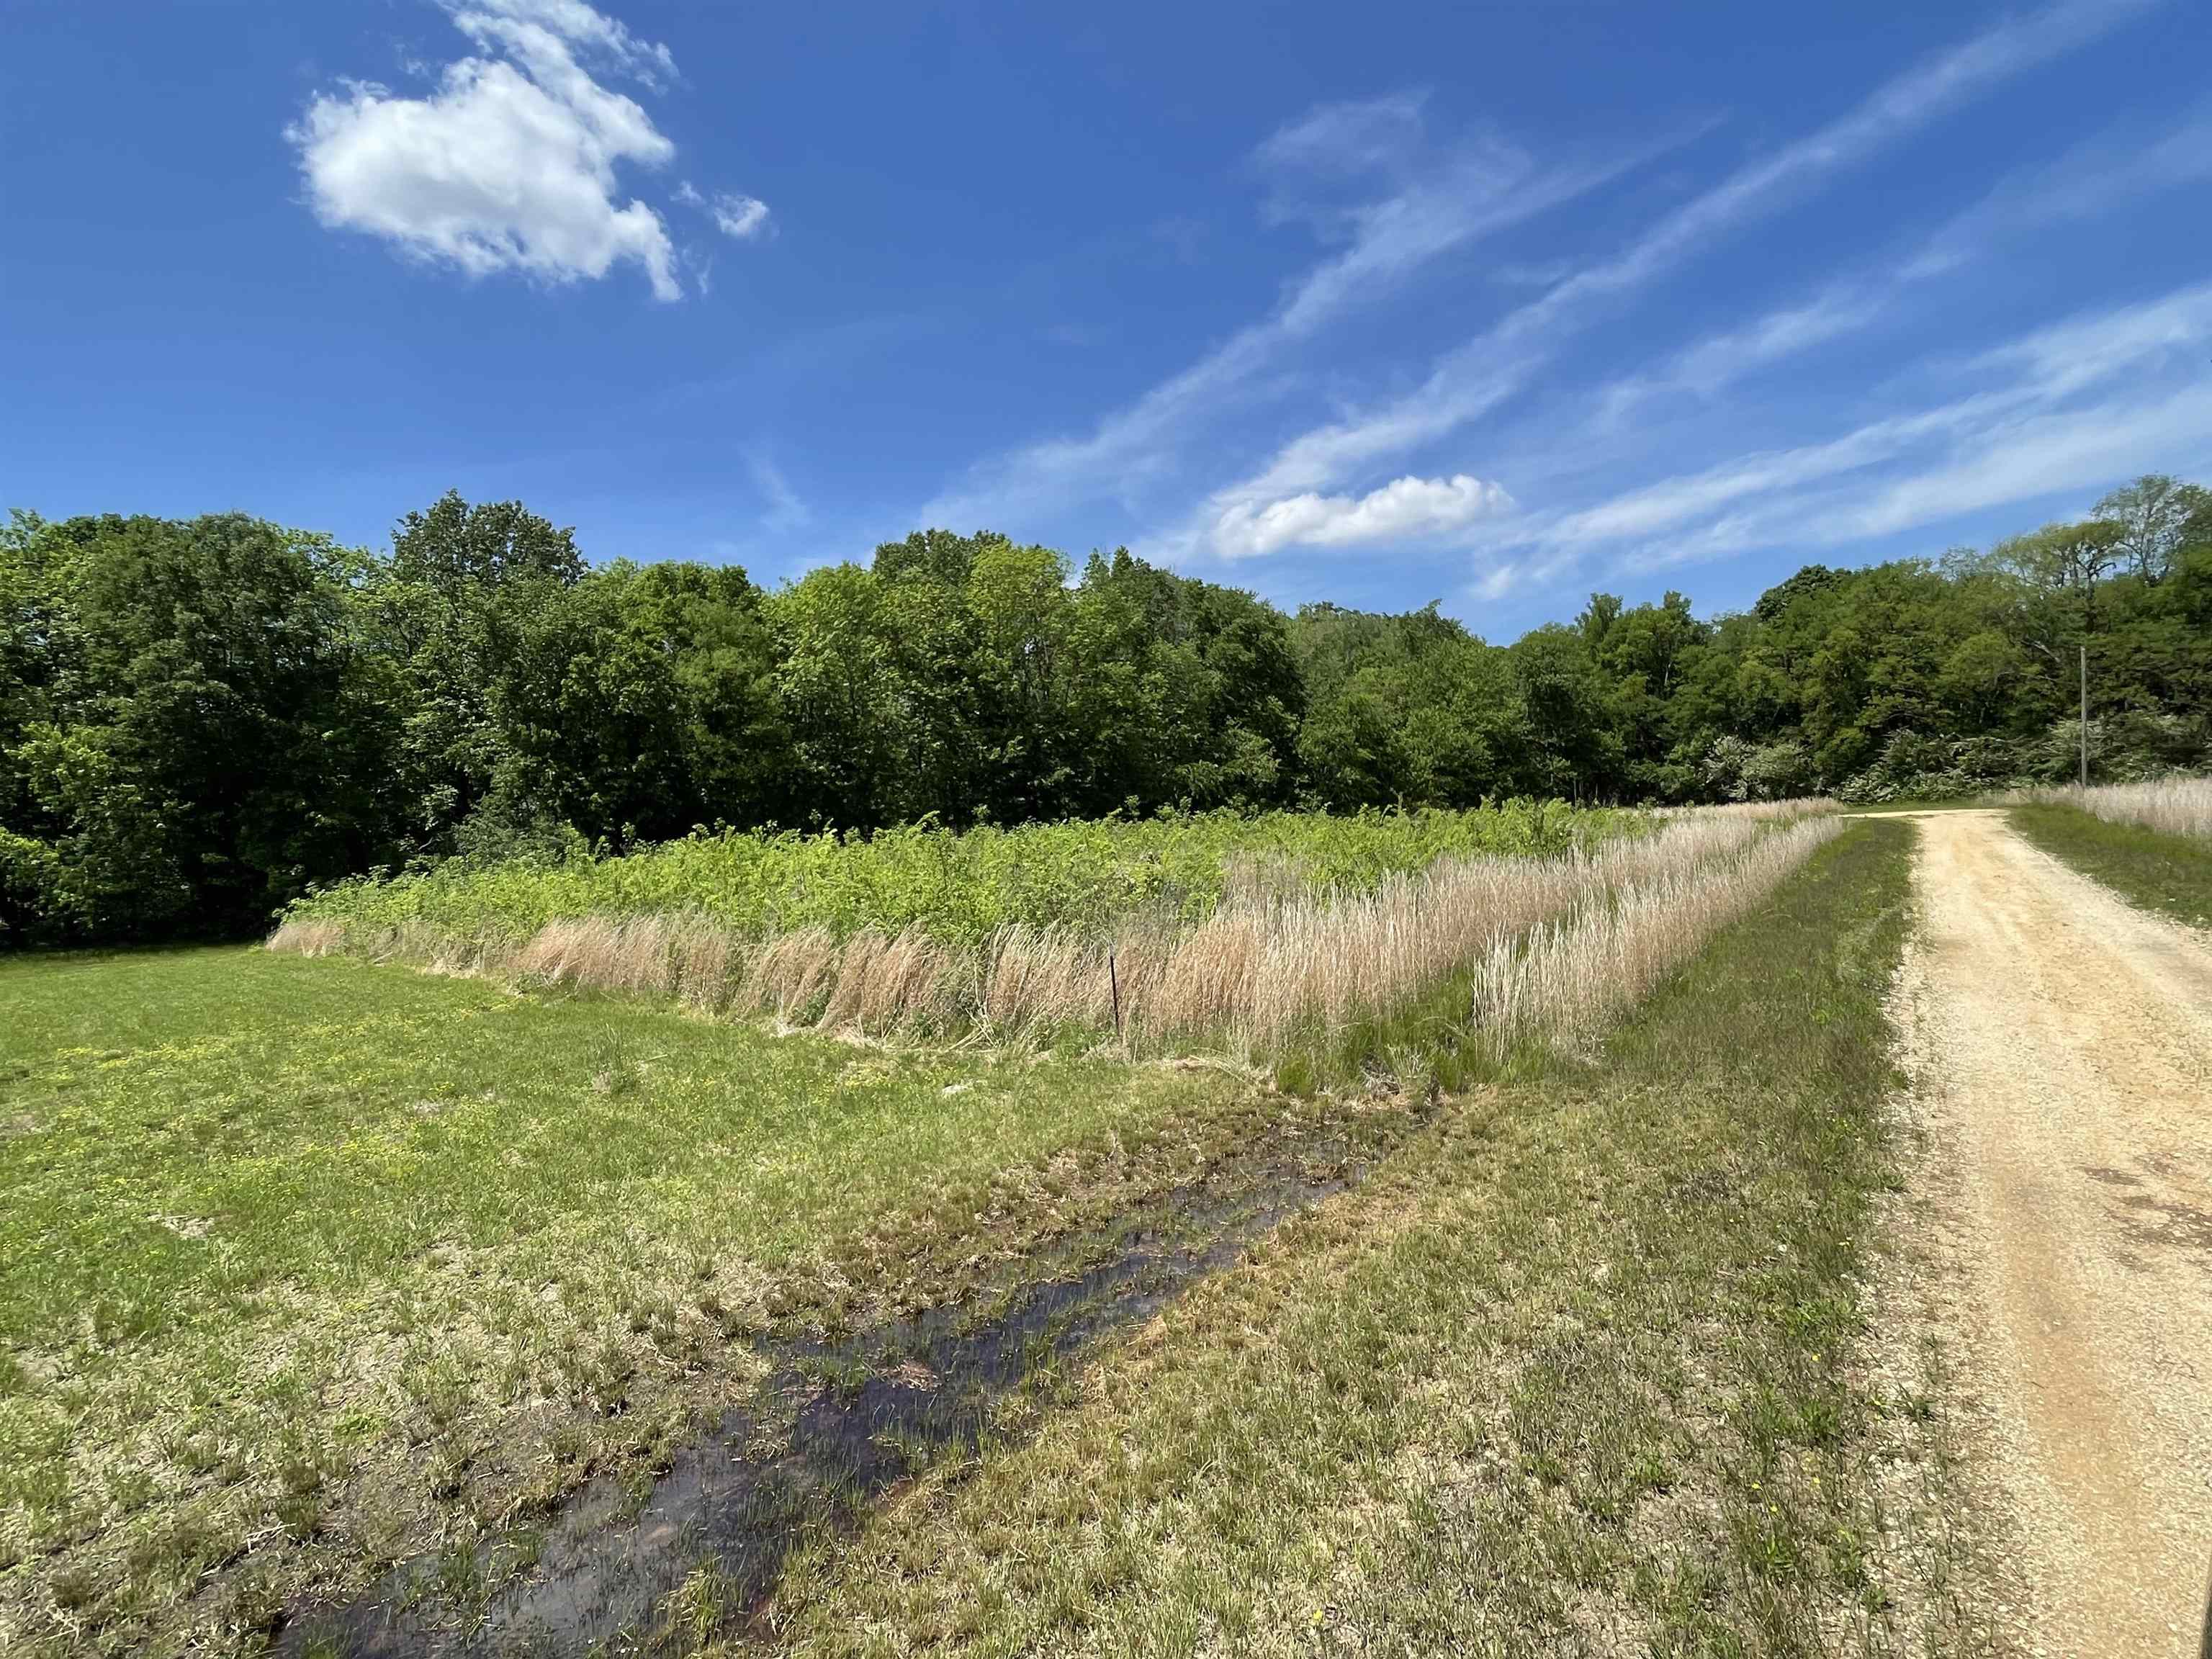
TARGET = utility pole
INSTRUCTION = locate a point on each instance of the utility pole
(2085, 716)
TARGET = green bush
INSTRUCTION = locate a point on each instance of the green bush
(35, 908)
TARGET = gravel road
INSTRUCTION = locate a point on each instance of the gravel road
(2067, 1048)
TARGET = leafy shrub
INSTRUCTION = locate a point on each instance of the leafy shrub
(35, 905)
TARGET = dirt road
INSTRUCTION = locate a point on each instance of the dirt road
(2065, 1047)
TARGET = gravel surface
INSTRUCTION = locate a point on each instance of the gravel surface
(2064, 1050)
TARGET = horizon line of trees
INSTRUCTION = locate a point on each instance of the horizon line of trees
(200, 719)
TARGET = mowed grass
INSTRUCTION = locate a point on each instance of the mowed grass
(2172, 874)
(1580, 1369)
(308, 1266)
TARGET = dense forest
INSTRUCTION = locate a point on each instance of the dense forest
(199, 719)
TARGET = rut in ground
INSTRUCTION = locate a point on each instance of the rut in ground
(2065, 1052)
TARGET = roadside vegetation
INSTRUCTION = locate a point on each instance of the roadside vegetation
(313, 1266)
(2150, 842)
(887, 957)
(1251, 939)
(960, 887)
(2173, 806)
(1577, 1370)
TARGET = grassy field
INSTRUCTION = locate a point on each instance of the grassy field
(305, 1263)
(1576, 1371)
(310, 1267)
(1274, 936)
(2157, 870)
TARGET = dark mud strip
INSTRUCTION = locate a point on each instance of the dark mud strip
(833, 1429)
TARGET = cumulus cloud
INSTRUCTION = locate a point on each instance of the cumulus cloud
(1405, 509)
(512, 161)
(739, 217)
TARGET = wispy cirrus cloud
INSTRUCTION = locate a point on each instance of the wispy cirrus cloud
(514, 160)
(1478, 376)
(1342, 140)
(2063, 407)
(786, 510)
(1429, 204)
(2092, 179)
(1704, 367)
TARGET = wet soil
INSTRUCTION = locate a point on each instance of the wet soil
(835, 1426)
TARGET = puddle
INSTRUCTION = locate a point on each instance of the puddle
(835, 1426)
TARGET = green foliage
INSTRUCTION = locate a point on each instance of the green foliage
(276, 1231)
(2171, 874)
(958, 886)
(34, 904)
(201, 719)
(184, 728)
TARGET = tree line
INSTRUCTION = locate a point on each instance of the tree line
(200, 719)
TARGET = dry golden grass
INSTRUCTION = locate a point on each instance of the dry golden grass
(1275, 961)
(2173, 806)
(1797, 807)
(1578, 971)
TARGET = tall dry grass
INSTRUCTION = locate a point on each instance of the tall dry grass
(2174, 806)
(1576, 973)
(1797, 807)
(1273, 960)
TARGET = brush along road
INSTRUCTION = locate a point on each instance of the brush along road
(2066, 1049)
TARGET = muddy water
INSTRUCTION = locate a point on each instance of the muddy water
(834, 1428)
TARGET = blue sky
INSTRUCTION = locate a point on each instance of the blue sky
(1491, 305)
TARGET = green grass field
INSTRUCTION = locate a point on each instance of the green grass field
(312, 1266)
(1574, 1372)
(304, 1262)
(2172, 874)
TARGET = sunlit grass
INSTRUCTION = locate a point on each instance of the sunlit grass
(2154, 868)
(304, 1262)
(2173, 806)
(1570, 1373)
(1258, 971)
(308, 1266)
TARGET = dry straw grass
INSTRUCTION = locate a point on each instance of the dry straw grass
(1273, 960)
(1578, 972)
(1797, 807)
(2174, 806)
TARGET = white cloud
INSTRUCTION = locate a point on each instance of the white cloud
(1406, 509)
(787, 512)
(2088, 181)
(1443, 204)
(1719, 360)
(740, 217)
(1347, 137)
(570, 20)
(511, 163)
(1475, 377)
(2076, 406)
